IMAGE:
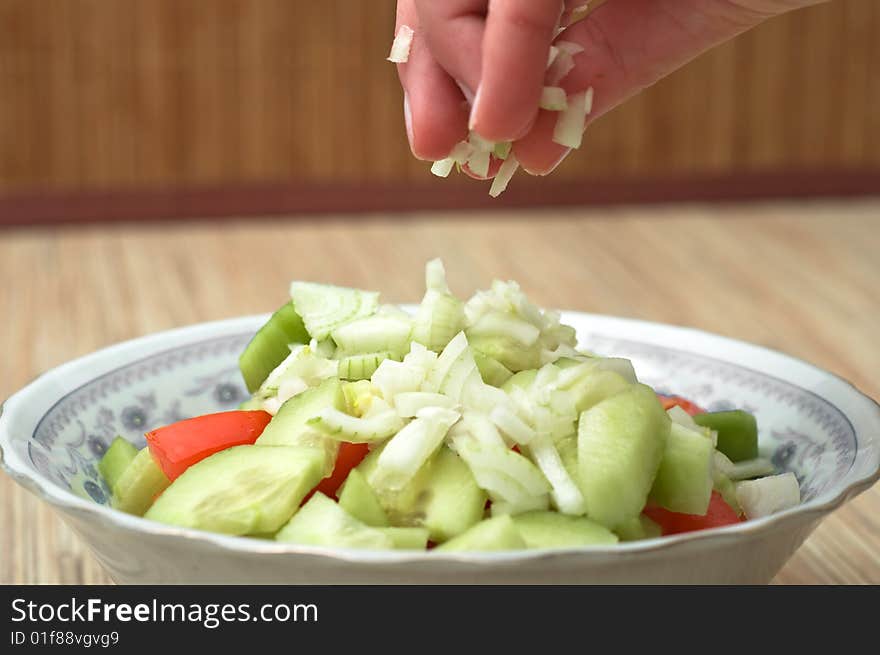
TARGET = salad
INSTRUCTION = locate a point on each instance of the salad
(464, 426)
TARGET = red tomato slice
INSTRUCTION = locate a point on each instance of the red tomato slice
(350, 455)
(178, 446)
(718, 514)
(684, 403)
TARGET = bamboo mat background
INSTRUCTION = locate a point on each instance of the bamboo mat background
(802, 278)
(110, 94)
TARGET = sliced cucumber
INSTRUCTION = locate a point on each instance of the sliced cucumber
(325, 307)
(491, 370)
(358, 499)
(271, 345)
(241, 490)
(684, 479)
(725, 486)
(290, 426)
(374, 334)
(737, 433)
(140, 483)
(321, 522)
(621, 442)
(555, 530)
(407, 538)
(596, 386)
(497, 533)
(637, 528)
(114, 462)
(362, 367)
(442, 497)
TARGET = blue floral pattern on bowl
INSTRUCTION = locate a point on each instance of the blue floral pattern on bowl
(800, 431)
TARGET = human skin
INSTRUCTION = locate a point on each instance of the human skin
(481, 63)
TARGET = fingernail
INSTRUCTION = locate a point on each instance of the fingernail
(407, 119)
(558, 161)
(466, 92)
(474, 105)
(552, 168)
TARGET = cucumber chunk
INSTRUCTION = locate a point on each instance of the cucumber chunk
(407, 538)
(271, 345)
(442, 497)
(362, 367)
(321, 522)
(374, 334)
(114, 462)
(497, 533)
(684, 479)
(358, 499)
(241, 490)
(596, 386)
(555, 530)
(325, 307)
(640, 527)
(621, 442)
(140, 483)
(737, 433)
(290, 426)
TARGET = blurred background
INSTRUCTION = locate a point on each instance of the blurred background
(140, 108)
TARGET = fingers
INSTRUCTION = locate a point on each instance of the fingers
(515, 46)
(453, 30)
(435, 111)
(629, 45)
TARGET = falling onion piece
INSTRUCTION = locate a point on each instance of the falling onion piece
(552, 55)
(570, 47)
(569, 129)
(400, 47)
(502, 179)
(443, 167)
(553, 98)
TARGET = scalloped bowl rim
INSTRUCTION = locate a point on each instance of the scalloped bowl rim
(146, 346)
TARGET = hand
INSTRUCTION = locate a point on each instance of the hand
(481, 63)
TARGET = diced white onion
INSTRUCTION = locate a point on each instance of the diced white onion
(569, 129)
(461, 152)
(480, 144)
(561, 66)
(407, 450)
(767, 496)
(511, 425)
(409, 403)
(566, 495)
(570, 47)
(551, 55)
(479, 163)
(503, 177)
(443, 167)
(553, 98)
(401, 45)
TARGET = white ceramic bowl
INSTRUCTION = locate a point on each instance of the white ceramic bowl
(53, 432)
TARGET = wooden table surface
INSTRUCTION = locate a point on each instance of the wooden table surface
(802, 278)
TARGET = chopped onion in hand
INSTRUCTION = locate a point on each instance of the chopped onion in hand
(553, 98)
(402, 43)
(569, 129)
(443, 167)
